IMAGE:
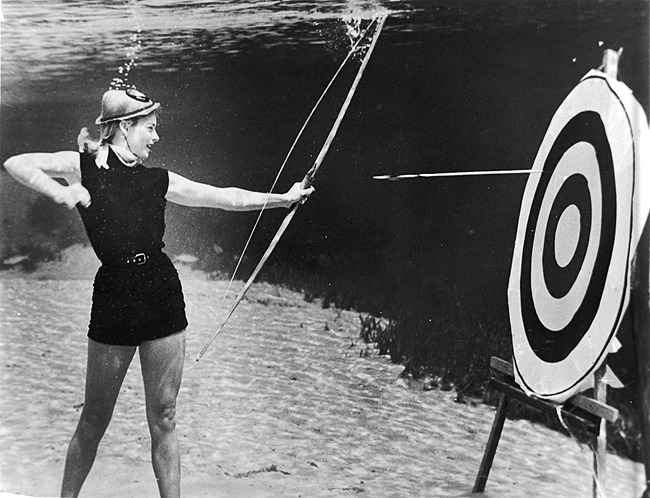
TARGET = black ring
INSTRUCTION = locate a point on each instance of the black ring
(554, 346)
(574, 192)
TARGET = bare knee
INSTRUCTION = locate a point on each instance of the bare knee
(162, 418)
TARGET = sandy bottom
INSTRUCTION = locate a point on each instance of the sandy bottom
(286, 403)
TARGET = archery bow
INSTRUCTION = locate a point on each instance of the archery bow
(351, 52)
(307, 182)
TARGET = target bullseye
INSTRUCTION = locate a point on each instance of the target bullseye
(567, 236)
(568, 282)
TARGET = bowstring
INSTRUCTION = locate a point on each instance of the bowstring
(351, 52)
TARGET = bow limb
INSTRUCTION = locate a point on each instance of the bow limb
(309, 177)
(307, 181)
(251, 279)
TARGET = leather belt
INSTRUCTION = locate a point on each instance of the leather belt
(137, 260)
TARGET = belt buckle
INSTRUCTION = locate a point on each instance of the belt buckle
(139, 259)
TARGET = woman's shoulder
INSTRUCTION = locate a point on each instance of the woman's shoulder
(156, 175)
(155, 170)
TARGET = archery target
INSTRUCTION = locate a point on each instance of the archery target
(568, 284)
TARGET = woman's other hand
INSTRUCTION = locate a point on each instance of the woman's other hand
(72, 195)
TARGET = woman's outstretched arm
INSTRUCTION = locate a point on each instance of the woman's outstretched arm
(190, 193)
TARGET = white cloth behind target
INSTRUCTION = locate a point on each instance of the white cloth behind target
(578, 229)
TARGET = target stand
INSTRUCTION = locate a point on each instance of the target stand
(589, 413)
(570, 282)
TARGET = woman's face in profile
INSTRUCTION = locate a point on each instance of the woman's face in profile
(142, 134)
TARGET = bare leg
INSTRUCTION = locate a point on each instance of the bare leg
(107, 366)
(162, 370)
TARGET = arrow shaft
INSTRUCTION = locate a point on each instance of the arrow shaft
(456, 173)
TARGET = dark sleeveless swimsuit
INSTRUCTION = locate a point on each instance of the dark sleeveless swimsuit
(137, 295)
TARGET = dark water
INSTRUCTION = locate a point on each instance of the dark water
(452, 86)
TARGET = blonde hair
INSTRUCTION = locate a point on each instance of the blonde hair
(106, 133)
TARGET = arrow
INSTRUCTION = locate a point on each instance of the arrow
(456, 173)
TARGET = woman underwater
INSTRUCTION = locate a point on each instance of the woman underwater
(137, 301)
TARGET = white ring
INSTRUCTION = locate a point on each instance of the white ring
(556, 313)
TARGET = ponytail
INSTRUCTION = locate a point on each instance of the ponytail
(90, 146)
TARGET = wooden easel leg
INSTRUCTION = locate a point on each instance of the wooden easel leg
(491, 447)
(641, 313)
(600, 394)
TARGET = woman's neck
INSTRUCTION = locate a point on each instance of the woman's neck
(125, 154)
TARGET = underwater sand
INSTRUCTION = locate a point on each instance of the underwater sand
(287, 402)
